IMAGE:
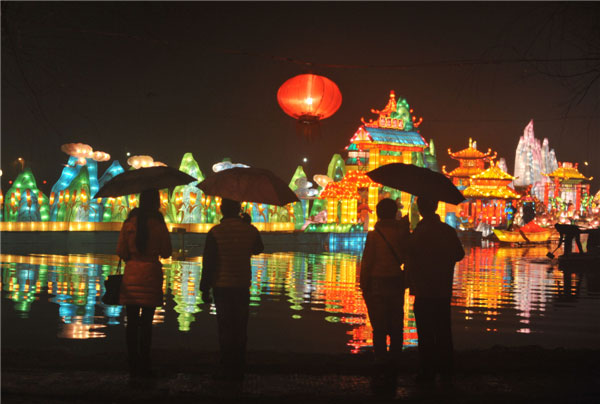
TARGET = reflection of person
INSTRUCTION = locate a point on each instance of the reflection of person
(568, 232)
(434, 249)
(382, 283)
(227, 271)
(143, 238)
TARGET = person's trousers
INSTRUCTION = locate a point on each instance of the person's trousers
(385, 305)
(232, 306)
(138, 335)
(434, 329)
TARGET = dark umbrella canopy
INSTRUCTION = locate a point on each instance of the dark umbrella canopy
(136, 181)
(249, 185)
(418, 181)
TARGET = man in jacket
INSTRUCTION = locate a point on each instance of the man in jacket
(434, 250)
(227, 271)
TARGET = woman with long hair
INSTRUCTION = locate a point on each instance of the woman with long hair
(143, 239)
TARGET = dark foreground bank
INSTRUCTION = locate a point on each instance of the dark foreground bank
(497, 375)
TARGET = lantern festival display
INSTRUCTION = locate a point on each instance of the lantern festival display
(24, 202)
(351, 197)
(309, 98)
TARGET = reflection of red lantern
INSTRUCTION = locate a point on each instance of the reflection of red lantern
(309, 98)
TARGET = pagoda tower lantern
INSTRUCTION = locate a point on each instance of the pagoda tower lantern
(471, 162)
(392, 137)
(567, 185)
(487, 196)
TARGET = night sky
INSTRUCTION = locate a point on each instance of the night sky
(164, 79)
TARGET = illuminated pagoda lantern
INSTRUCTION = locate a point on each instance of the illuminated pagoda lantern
(567, 187)
(342, 197)
(470, 162)
(487, 196)
(391, 138)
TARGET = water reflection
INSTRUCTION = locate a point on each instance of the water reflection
(495, 289)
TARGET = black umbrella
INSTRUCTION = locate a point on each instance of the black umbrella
(249, 185)
(136, 181)
(418, 181)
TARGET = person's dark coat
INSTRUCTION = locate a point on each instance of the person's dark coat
(226, 260)
(143, 275)
(434, 250)
(378, 260)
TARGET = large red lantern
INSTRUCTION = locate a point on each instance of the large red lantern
(309, 98)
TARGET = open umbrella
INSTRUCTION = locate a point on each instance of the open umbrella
(136, 181)
(249, 185)
(418, 181)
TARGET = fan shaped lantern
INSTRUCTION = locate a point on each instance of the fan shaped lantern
(309, 98)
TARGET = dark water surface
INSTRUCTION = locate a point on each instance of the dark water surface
(301, 302)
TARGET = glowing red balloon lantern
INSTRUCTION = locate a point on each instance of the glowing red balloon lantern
(309, 98)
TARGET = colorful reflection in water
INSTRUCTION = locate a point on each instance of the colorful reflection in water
(494, 289)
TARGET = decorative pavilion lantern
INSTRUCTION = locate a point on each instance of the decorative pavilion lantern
(309, 98)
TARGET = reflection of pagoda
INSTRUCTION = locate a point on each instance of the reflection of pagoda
(567, 185)
(471, 162)
(487, 195)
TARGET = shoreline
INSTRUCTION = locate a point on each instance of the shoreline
(499, 374)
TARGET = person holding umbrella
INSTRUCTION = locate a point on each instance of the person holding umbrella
(143, 239)
(227, 272)
(226, 262)
(434, 249)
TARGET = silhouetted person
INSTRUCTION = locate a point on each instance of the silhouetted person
(434, 250)
(227, 271)
(568, 232)
(528, 212)
(382, 282)
(143, 239)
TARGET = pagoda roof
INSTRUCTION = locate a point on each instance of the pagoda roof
(493, 172)
(490, 192)
(462, 172)
(568, 171)
(358, 179)
(390, 136)
(337, 190)
(347, 188)
(471, 153)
